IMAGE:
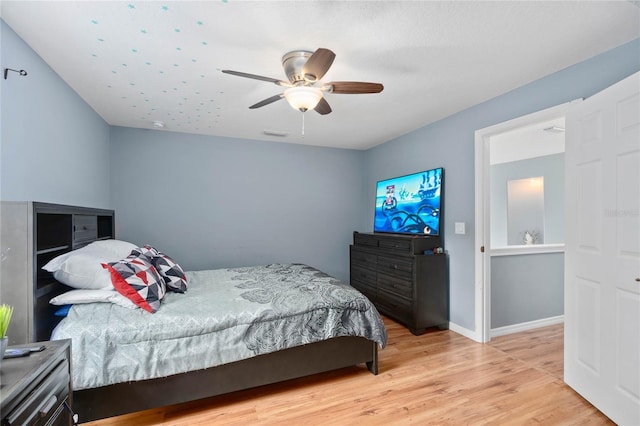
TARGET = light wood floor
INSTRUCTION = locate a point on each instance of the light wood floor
(438, 378)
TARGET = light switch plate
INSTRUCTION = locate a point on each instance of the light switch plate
(460, 228)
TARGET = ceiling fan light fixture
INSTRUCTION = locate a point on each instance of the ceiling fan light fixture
(303, 98)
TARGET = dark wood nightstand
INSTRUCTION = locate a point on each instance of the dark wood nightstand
(35, 388)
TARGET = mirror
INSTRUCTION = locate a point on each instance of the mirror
(525, 211)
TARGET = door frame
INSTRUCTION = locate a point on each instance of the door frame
(482, 246)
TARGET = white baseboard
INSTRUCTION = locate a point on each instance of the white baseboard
(464, 332)
(524, 326)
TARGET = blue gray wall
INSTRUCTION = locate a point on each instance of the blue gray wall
(551, 168)
(216, 202)
(53, 147)
(526, 288)
(450, 143)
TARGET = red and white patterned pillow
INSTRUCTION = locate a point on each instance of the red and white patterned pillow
(136, 278)
(172, 273)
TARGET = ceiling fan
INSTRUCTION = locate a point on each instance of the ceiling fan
(304, 91)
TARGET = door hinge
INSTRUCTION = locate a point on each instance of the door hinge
(481, 249)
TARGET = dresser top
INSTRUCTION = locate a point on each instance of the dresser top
(16, 374)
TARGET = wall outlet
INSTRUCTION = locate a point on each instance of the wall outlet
(460, 228)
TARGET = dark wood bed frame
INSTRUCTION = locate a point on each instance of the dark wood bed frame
(121, 398)
(128, 397)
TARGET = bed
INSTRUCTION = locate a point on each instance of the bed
(232, 329)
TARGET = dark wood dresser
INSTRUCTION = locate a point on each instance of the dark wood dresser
(401, 281)
(35, 388)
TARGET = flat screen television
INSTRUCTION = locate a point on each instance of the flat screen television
(410, 204)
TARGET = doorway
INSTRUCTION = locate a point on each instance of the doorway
(487, 144)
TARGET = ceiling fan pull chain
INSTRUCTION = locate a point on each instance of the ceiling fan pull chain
(303, 124)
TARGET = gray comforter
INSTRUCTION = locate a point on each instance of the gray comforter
(226, 315)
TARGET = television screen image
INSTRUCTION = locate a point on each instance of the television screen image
(410, 204)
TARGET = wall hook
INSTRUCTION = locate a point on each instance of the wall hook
(6, 72)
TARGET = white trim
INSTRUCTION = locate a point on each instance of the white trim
(482, 267)
(526, 326)
(482, 218)
(532, 249)
(509, 329)
(469, 334)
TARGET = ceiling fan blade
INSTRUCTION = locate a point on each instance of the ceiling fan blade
(258, 77)
(323, 107)
(355, 87)
(267, 101)
(318, 64)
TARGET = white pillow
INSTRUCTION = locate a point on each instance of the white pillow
(85, 271)
(92, 296)
(119, 248)
(82, 268)
(110, 248)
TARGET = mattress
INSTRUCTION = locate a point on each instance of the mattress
(225, 316)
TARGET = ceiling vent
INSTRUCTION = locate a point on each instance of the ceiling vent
(279, 133)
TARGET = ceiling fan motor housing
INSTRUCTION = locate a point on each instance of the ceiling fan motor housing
(293, 62)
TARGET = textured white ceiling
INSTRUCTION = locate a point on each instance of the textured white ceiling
(535, 140)
(135, 62)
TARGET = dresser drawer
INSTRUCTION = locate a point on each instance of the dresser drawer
(395, 306)
(363, 259)
(44, 402)
(366, 240)
(396, 266)
(363, 275)
(85, 228)
(395, 245)
(394, 285)
(365, 288)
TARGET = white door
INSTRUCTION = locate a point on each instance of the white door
(602, 250)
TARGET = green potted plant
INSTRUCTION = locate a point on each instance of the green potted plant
(5, 318)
